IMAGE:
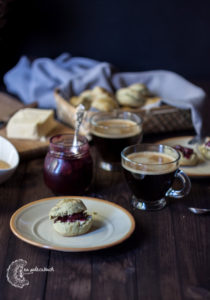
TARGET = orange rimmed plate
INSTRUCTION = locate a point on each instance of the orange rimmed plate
(112, 224)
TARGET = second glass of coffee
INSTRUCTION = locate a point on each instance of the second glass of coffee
(111, 133)
(150, 171)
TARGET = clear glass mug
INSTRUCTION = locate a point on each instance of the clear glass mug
(150, 171)
(111, 133)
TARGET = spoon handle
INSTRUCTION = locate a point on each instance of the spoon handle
(79, 117)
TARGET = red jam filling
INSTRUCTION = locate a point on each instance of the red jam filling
(207, 144)
(187, 152)
(72, 218)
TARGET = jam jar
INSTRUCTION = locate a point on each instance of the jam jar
(67, 169)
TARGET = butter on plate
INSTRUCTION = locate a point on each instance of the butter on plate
(31, 123)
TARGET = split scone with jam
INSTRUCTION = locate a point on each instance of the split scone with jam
(70, 217)
(188, 157)
(204, 148)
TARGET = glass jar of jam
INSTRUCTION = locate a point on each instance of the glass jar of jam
(67, 169)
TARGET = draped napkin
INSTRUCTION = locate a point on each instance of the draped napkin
(36, 81)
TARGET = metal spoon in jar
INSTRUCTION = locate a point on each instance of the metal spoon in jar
(79, 117)
(199, 211)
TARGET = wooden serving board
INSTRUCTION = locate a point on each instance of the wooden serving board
(27, 148)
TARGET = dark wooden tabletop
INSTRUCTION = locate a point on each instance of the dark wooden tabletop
(167, 257)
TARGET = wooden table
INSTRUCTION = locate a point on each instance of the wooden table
(167, 257)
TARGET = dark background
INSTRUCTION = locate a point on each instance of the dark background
(132, 35)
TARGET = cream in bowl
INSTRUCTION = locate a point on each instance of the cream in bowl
(9, 159)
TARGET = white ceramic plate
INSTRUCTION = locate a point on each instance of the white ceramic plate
(9, 154)
(202, 169)
(112, 225)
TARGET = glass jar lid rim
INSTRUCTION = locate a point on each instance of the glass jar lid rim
(65, 140)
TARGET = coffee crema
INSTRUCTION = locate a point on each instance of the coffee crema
(4, 165)
(151, 163)
(116, 128)
(111, 136)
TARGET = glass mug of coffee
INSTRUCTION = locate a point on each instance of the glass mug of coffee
(111, 133)
(150, 171)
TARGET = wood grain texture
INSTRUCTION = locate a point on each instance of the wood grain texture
(22, 184)
(72, 276)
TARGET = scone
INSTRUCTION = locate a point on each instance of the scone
(205, 148)
(99, 91)
(188, 156)
(103, 100)
(98, 98)
(140, 87)
(104, 104)
(130, 97)
(70, 217)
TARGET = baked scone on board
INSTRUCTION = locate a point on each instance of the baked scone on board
(204, 148)
(70, 217)
(188, 156)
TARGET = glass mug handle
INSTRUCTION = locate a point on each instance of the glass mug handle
(186, 186)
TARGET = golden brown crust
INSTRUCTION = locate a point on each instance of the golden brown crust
(98, 98)
(134, 96)
(129, 97)
(104, 104)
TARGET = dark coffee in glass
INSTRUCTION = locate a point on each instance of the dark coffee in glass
(111, 133)
(150, 171)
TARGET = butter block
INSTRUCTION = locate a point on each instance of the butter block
(31, 123)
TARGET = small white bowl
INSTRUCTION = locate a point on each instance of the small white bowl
(9, 154)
